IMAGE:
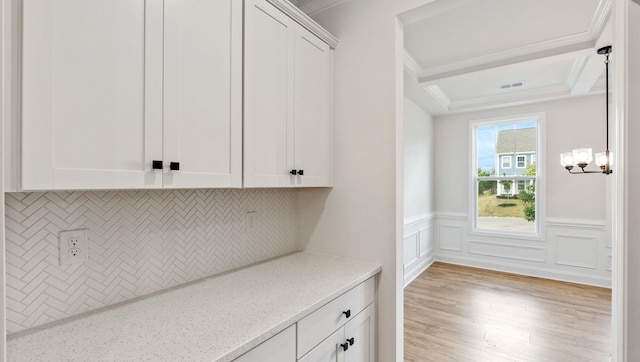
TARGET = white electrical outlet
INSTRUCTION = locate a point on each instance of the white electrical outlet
(74, 246)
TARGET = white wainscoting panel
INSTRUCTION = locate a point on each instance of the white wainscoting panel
(418, 248)
(577, 251)
(450, 237)
(507, 250)
(139, 242)
(570, 250)
(411, 248)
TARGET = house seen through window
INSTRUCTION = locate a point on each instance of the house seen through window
(505, 176)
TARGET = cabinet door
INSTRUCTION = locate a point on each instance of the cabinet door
(279, 348)
(91, 94)
(268, 91)
(202, 93)
(313, 131)
(328, 350)
(362, 329)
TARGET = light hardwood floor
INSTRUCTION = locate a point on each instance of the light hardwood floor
(455, 313)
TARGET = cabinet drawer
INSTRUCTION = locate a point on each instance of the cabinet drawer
(279, 348)
(318, 325)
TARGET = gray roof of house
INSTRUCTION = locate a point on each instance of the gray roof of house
(521, 140)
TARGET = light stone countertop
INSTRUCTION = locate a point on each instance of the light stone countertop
(216, 319)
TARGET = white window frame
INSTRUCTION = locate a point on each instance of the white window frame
(533, 158)
(540, 178)
(505, 158)
(525, 161)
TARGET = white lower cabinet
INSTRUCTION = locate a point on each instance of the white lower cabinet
(279, 348)
(355, 342)
(343, 330)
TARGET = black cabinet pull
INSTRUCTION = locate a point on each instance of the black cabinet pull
(301, 172)
(347, 313)
(351, 341)
(293, 172)
(174, 166)
(345, 346)
(156, 165)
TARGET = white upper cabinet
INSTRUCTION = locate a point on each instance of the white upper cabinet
(287, 104)
(203, 93)
(109, 86)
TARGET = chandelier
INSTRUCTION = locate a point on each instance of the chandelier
(581, 157)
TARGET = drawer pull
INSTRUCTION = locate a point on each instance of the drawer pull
(300, 172)
(156, 165)
(351, 341)
(345, 346)
(293, 172)
(174, 166)
(347, 313)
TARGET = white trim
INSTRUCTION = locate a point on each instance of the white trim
(619, 310)
(416, 220)
(518, 268)
(600, 18)
(411, 65)
(419, 269)
(576, 71)
(303, 19)
(439, 95)
(518, 161)
(5, 90)
(451, 215)
(583, 224)
(315, 7)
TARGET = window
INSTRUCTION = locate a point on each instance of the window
(506, 198)
(506, 161)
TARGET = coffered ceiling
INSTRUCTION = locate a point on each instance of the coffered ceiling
(466, 55)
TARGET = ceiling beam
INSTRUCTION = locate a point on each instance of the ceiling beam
(544, 51)
(587, 75)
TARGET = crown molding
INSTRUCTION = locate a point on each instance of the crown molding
(576, 71)
(600, 18)
(303, 19)
(315, 7)
(537, 95)
(439, 96)
(411, 65)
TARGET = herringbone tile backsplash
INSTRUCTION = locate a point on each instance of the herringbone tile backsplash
(139, 242)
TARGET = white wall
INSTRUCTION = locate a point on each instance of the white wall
(418, 246)
(418, 161)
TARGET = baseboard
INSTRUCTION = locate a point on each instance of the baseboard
(418, 269)
(546, 273)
